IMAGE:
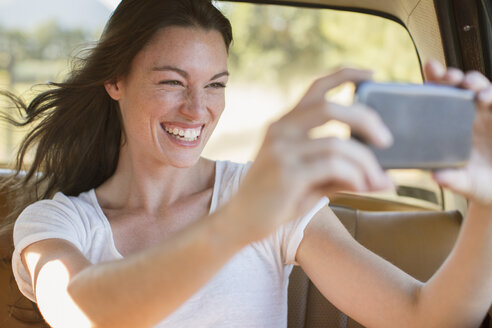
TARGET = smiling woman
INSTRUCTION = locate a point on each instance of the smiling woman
(165, 80)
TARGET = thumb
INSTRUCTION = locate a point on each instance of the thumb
(474, 187)
(456, 180)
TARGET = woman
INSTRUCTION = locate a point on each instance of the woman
(144, 232)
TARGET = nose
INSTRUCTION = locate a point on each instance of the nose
(195, 105)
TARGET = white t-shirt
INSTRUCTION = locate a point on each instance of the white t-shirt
(249, 291)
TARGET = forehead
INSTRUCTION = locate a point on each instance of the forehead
(184, 47)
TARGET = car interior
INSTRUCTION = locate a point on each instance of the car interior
(415, 228)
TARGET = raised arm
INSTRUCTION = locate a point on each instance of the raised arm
(375, 292)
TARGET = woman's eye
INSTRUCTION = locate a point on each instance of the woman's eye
(216, 85)
(173, 83)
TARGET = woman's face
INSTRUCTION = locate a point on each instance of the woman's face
(173, 96)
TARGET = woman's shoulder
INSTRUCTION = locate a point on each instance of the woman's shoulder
(79, 210)
(228, 177)
(63, 202)
(73, 218)
(232, 170)
(230, 174)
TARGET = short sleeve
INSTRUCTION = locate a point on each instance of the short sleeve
(45, 219)
(287, 238)
(291, 234)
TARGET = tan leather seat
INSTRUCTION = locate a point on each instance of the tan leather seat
(417, 242)
(16, 311)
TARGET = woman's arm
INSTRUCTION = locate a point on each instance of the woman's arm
(377, 293)
(138, 291)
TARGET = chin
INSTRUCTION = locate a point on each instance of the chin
(183, 163)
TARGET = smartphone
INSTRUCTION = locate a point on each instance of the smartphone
(432, 125)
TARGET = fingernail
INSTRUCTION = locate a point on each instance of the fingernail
(454, 75)
(385, 138)
(468, 80)
(384, 182)
(437, 67)
(390, 185)
(485, 96)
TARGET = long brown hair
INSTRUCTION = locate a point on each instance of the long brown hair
(77, 129)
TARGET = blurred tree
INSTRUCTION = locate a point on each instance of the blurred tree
(31, 56)
(279, 45)
(13, 46)
(54, 42)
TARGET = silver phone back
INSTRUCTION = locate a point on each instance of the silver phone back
(432, 125)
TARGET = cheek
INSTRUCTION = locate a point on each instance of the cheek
(154, 104)
(216, 103)
(136, 113)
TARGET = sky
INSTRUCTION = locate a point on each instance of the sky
(26, 14)
(111, 4)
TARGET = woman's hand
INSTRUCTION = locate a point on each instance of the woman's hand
(474, 181)
(292, 170)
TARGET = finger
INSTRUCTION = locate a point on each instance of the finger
(343, 171)
(335, 171)
(484, 97)
(362, 120)
(316, 93)
(434, 71)
(452, 77)
(456, 180)
(474, 186)
(350, 150)
(475, 81)
(330, 179)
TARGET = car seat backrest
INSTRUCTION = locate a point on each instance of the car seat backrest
(16, 311)
(416, 242)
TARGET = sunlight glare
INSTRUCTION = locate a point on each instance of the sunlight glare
(57, 306)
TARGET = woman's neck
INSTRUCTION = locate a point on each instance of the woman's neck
(137, 184)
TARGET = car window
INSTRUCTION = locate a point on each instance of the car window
(276, 53)
(37, 38)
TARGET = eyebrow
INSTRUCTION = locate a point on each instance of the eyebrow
(184, 73)
(216, 76)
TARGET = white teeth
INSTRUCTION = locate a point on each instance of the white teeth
(186, 134)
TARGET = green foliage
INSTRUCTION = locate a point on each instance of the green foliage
(278, 45)
(274, 45)
(38, 55)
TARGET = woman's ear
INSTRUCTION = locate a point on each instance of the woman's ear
(113, 88)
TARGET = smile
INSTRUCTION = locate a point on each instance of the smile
(184, 134)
